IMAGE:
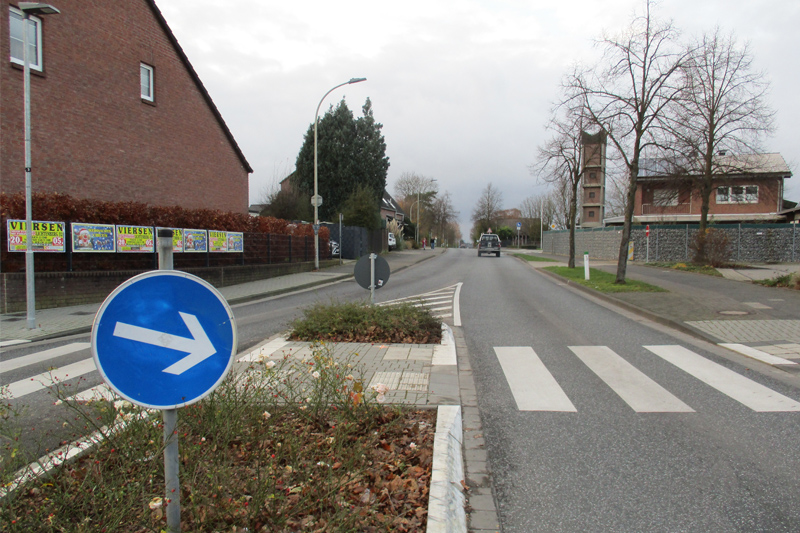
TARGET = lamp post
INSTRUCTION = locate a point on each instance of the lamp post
(28, 9)
(411, 212)
(315, 200)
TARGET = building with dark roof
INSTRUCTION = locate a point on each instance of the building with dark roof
(118, 112)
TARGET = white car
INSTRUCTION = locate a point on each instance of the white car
(392, 241)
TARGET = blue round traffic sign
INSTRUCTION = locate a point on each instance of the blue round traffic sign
(164, 339)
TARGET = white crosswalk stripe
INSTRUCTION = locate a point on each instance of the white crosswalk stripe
(637, 390)
(442, 303)
(534, 388)
(746, 391)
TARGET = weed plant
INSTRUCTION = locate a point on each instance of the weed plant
(287, 444)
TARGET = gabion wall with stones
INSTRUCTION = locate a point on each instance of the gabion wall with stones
(747, 243)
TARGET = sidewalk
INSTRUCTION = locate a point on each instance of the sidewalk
(729, 310)
(59, 322)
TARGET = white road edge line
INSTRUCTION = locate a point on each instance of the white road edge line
(457, 306)
(755, 353)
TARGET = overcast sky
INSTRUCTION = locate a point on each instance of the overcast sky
(463, 88)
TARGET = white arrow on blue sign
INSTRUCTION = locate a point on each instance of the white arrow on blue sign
(164, 339)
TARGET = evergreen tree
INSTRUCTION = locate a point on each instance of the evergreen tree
(350, 153)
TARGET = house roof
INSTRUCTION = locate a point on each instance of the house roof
(163, 23)
(390, 204)
(731, 165)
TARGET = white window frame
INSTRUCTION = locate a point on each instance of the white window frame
(737, 194)
(144, 67)
(35, 62)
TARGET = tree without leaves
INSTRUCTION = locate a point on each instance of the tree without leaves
(722, 107)
(561, 160)
(443, 213)
(412, 188)
(350, 153)
(487, 210)
(530, 209)
(628, 96)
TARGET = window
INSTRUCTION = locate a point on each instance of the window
(146, 72)
(665, 197)
(591, 195)
(747, 194)
(591, 214)
(592, 176)
(15, 25)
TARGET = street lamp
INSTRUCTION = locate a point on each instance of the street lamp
(316, 200)
(28, 9)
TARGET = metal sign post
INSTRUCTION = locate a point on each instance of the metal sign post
(371, 272)
(172, 484)
(647, 234)
(163, 340)
(372, 278)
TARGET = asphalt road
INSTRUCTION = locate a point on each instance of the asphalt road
(584, 454)
(594, 420)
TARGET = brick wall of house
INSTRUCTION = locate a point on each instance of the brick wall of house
(92, 134)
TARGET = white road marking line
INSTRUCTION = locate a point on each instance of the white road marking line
(47, 379)
(263, 352)
(99, 392)
(746, 391)
(636, 389)
(764, 357)
(757, 305)
(533, 386)
(457, 306)
(38, 357)
(12, 342)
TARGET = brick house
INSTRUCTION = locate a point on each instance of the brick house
(117, 112)
(749, 188)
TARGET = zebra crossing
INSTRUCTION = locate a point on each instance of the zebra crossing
(534, 388)
(55, 375)
(442, 303)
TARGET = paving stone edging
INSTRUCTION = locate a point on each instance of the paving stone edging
(446, 500)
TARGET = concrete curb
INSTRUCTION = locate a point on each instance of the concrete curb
(446, 500)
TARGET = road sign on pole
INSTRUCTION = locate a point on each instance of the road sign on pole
(164, 339)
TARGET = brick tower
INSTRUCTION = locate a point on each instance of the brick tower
(593, 180)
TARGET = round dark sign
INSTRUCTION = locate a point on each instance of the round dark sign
(362, 272)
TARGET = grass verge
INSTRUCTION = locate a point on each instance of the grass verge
(789, 281)
(527, 257)
(603, 281)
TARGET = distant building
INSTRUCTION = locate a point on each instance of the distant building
(117, 112)
(390, 209)
(748, 188)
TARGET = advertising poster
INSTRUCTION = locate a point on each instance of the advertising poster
(235, 242)
(195, 240)
(177, 239)
(46, 236)
(92, 237)
(218, 240)
(139, 239)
